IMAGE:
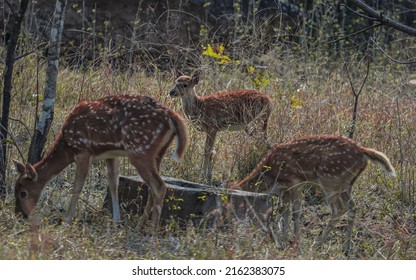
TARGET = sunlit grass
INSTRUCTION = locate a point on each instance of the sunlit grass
(386, 121)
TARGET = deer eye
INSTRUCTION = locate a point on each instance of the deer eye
(185, 85)
(23, 194)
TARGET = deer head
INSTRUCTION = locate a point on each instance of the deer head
(184, 85)
(26, 189)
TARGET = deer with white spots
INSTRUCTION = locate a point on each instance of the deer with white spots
(136, 127)
(332, 162)
(233, 110)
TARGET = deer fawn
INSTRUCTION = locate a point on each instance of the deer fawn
(136, 127)
(332, 162)
(234, 110)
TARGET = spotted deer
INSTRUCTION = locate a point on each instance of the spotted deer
(136, 127)
(332, 162)
(233, 110)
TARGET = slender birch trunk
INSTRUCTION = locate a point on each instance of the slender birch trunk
(42, 128)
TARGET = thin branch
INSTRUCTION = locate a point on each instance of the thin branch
(390, 57)
(356, 96)
(350, 80)
(23, 124)
(37, 48)
(357, 13)
(20, 56)
(379, 16)
(366, 76)
(356, 33)
(13, 142)
(12, 10)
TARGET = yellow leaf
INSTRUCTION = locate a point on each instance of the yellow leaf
(222, 49)
(216, 53)
(295, 102)
(260, 77)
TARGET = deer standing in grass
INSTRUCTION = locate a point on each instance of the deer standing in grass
(136, 127)
(332, 162)
(234, 110)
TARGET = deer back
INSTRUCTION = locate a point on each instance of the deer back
(235, 108)
(124, 123)
(322, 158)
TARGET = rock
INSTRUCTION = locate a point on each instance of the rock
(189, 202)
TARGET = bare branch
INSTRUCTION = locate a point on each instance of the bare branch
(356, 96)
(390, 57)
(356, 33)
(357, 13)
(22, 123)
(366, 76)
(384, 19)
(13, 142)
(12, 10)
(350, 80)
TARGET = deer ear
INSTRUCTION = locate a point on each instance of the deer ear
(20, 167)
(195, 79)
(31, 172)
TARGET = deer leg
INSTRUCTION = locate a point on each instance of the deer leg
(82, 163)
(285, 215)
(208, 154)
(149, 204)
(150, 200)
(265, 120)
(257, 128)
(346, 196)
(297, 211)
(157, 190)
(338, 210)
(147, 210)
(113, 174)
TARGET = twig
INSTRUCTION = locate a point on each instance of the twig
(36, 49)
(356, 33)
(12, 10)
(356, 96)
(357, 13)
(390, 57)
(22, 123)
(14, 142)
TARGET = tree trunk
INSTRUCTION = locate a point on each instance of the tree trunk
(7, 89)
(42, 128)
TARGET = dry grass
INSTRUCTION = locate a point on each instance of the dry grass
(385, 223)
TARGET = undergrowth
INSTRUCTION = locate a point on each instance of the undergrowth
(309, 97)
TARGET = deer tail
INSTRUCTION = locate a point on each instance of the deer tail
(382, 160)
(179, 126)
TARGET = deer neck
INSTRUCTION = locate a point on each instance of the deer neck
(57, 158)
(252, 181)
(191, 104)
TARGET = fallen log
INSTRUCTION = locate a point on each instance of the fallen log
(187, 201)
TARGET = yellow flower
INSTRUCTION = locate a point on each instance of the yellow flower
(260, 77)
(295, 102)
(217, 53)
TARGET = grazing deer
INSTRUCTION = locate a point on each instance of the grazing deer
(137, 127)
(332, 162)
(234, 110)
